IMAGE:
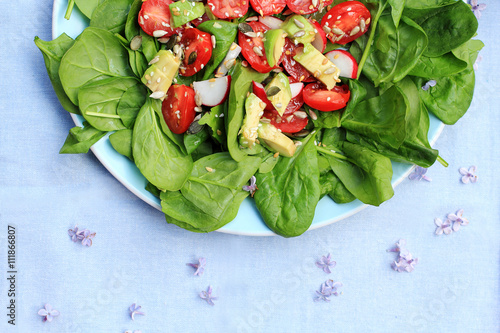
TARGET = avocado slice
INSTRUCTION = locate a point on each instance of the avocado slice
(158, 77)
(276, 140)
(279, 93)
(299, 29)
(254, 109)
(273, 44)
(185, 11)
(319, 65)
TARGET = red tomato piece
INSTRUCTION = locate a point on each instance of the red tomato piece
(268, 7)
(318, 97)
(178, 108)
(289, 122)
(292, 67)
(197, 47)
(228, 9)
(306, 6)
(346, 21)
(250, 44)
(155, 16)
(197, 21)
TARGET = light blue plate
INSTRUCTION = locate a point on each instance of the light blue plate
(248, 222)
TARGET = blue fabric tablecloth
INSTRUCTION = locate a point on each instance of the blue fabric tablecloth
(264, 284)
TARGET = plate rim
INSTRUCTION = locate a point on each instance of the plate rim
(101, 156)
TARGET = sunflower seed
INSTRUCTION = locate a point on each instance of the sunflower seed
(197, 109)
(251, 34)
(157, 94)
(355, 31)
(265, 120)
(230, 63)
(301, 134)
(136, 43)
(362, 24)
(159, 33)
(299, 24)
(337, 31)
(197, 99)
(272, 91)
(315, 3)
(244, 27)
(330, 70)
(300, 114)
(258, 51)
(313, 115)
(214, 41)
(299, 34)
(154, 60)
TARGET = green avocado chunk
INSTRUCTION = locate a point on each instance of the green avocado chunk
(299, 29)
(254, 108)
(279, 93)
(273, 44)
(276, 140)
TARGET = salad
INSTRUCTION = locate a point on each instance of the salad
(286, 101)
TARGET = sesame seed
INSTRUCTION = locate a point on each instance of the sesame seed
(157, 94)
(146, 17)
(219, 132)
(217, 25)
(276, 155)
(209, 169)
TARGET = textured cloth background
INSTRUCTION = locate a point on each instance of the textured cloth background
(264, 284)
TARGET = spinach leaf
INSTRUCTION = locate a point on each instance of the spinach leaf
(157, 157)
(365, 174)
(99, 101)
(268, 163)
(225, 33)
(397, 7)
(397, 50)
(241, 82)
(331, 185)
(210, 199)
(80, 139)
(152, 189)
(413, 107)
(424, 4)
(130, 103)
(96, 54)
(52, 52)
(204, 149)
(111, 15)
(215, 122)
(324, 119)
(178, 139)
(382, 118)
(132, 27)
(450, 26)
(122, 142)
(288, 195)
(87, 7)
(150, 46)
(193, 141)
(443, 65)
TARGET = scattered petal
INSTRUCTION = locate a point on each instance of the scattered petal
(207, 296)
(75, 234)
(477, 8)
(327, 289)
(48, 313)
(200, 266)
(428, 84)
(252, 187)
(443, 227)
(135, 310)
(405, 261)
(326, 263)
(476, 63)
(418, 174)
(87, 237)
(468, 175)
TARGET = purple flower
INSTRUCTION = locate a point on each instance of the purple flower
(200, 266)
(443, 227)
(327, 289)
(87, 237)
(419, 173)
(75, 234)
(48, 313)
(252, 187)
(468, 175)
(207, 296)
(405, 260)
(476, 63)
(326, 263)
(135, 310)
(477, 8)
(458, 220)
(428, 84)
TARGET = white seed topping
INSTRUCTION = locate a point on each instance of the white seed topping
(146, 17)
(337, 31)
(298, 23)
(165, 24)
(265, 120)
(278, 105)
(300, 114)
(198, 109)
(214, 41)
(299, 34)
(330, 70)
(362, 24)
(258, 51)
(154, 60)
(159, 80)
(315, 3)
(252, 18)
(136, 43)
(313, 115)
(157, 94)
(251, 34)
(355, 31)
(368, 20)
(159, 33)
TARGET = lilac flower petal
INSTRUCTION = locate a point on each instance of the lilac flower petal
(438, 222)
(465, 179)
(439, 231)
(54, 313)
(42, 312)
(456, 226)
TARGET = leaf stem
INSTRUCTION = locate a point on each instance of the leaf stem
(69, 9)
(443, 162)
(370, 38)
(331, 153)
(102, 115)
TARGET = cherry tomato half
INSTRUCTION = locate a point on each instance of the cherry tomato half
(197, 50)
(228, 9)
(250, 44)
(289, 122)
(292, 67)
(346, 21)
(178, 108)
(318, 97)
(306, 6)
(155, 16)
(268, 7)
